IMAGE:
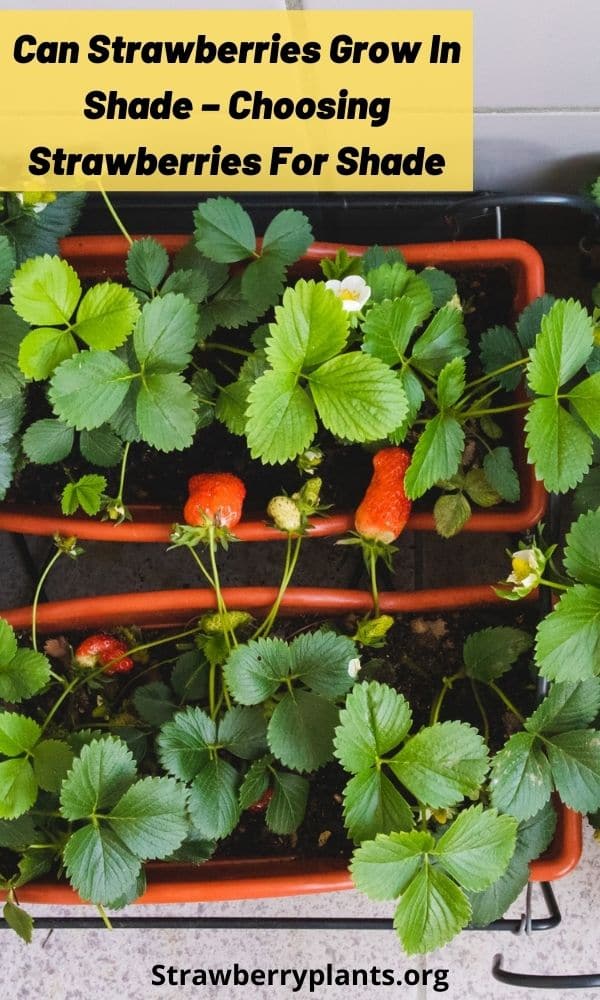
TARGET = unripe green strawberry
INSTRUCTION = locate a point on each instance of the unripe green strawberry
(285, 513)
(217, 624)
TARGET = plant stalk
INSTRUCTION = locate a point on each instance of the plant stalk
(36, 596)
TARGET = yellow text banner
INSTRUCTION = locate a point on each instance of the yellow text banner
(237, 100)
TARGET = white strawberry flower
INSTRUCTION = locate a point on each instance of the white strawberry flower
(353, 291)
(528, 567)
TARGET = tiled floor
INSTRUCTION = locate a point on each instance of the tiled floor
(99, 965)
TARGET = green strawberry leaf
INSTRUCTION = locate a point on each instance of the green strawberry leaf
(51, 762)
(18, 788)
(287, 236)
(310, 327)
(87, 493)
(300, 731)
(566, 707)
(8, 263)
(48, 441)
(441, 285)
(451, 512)
(165, 335)
(183, 743)
(491, 652)
(281, 420)
(102, 773)
(432, 910)
(150, 818)
(43, 350)
(166, 412)
(500, 472)
(257, 669)
(476, 848)
(499, 347)
(521, 781)
(444, 339)
(442, 764)
(358, 397)
(18, 734)
(373, 722)
(451, 383)
(436, 455)
(559, 447)
(45, 291)
(106, 316)
(286, 809)
(562, 347)
(383, 868)
(147, 263)
(388, 328)
(101, 446)
(214, 806)
(582, 550)
(568, 639)
(154, 703)
(14, 329)
(224, 231)
(373, 805)
(243, 732)
(575, 762)
(87, 390)
(99, 865)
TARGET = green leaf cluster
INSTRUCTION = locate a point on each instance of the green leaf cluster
(562, 420)
(556, 751)
(46, 293)
(304, 678)
(438, 766)
(195, 748)
(357, 397)
(432, 877)
(31, 763)
(124, 822)
(568, 639)
(143, 395)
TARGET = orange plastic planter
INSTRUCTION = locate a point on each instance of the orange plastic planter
(264, 877)
(100, 257)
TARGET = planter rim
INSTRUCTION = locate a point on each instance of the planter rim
(152, 523)
(228, 879)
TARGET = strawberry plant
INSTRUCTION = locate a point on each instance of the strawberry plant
(375, 353)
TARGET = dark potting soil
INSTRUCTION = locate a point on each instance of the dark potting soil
(421, 651)
(154, 477)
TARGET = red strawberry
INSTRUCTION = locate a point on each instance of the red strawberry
(385, 508)
(100, 650)
(261, 804)
(216, 497)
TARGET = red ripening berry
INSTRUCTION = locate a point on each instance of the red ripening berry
(216, 497)
(100, 650)
(385, 508)
(261, 804)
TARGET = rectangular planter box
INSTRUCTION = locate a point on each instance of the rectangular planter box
(101, 257)
(264, 877)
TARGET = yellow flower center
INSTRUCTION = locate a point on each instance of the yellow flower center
(347, 295)
(521, 568)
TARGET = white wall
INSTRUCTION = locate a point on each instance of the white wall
(537, 81)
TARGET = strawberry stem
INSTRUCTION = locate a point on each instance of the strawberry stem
(36, 596)
(506, 700)
(291, 558)
(482, 712)
(115, 215)
(447, 683)
(372, 562)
